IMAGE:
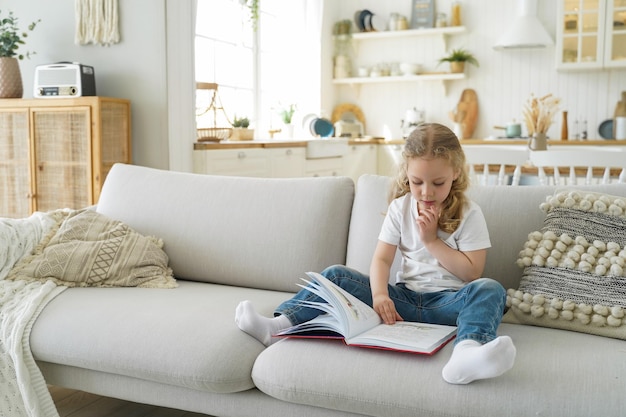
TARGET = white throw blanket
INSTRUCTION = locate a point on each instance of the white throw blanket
(24, 390)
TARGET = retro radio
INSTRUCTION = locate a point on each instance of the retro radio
(64, 79)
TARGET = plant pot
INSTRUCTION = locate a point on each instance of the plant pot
(538, 142)
(287, 131)
(457, 67)
(10, 78)
(242, 133)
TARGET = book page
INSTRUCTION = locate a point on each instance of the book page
(404, 335)
(356, 316)
(324, 325)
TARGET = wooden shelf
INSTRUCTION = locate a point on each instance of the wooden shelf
(442, 77)
(400, 78)
(388, 34)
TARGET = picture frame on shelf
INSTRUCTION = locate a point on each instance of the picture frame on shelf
(422, 14)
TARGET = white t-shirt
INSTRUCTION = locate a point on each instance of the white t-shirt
(420, 271)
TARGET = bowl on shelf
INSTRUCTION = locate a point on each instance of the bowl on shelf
(409, 68)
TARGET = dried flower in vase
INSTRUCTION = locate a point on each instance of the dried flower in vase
(539, 112)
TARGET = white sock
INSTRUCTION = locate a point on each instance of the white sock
(257, 326)
(471, 360)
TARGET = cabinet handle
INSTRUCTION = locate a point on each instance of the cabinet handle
(40, 166)
(241, 155)
(288, 152)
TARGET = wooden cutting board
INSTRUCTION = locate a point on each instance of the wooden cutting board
(468, 103)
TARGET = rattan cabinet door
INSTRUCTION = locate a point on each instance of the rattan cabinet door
(62, 157)
(15, 190)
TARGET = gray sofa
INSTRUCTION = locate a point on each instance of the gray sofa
(231, 239)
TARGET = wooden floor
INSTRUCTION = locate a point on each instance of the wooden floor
(72, 403)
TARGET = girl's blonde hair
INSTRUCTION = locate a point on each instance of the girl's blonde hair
(433, 140)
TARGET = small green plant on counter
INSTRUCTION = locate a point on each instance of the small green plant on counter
(242, 122)
(286, 113)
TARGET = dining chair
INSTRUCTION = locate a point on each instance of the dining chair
(480, 159)
(586, 165)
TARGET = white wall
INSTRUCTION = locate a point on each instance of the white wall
(134, 69)
(503, 82)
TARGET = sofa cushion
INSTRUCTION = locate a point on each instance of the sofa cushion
(392, 384)
(89, 249)
(575, 266)
(184, 336)
(368, 213)
(253, 232)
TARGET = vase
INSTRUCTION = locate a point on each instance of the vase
(242, 133)
(10, 78)
(538, 142)
(287, 131)
(457, 67)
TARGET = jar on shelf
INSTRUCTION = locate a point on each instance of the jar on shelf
(442, 20)
(393, 21)
(402, 23)
(455, 15)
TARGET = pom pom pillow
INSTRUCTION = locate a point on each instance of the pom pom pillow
(87, 249)
(575, 267)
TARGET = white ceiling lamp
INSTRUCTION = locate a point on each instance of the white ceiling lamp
(527, 32)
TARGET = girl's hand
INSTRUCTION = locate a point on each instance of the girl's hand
(386, 309)
(427, 223)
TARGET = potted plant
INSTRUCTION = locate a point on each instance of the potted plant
(10, 40)
(286, 114)
(457, 59)
(241, 130)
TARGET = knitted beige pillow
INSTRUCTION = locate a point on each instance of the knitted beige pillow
(89, 249)
(575, 267)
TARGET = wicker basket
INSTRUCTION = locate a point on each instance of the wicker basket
(213, 134)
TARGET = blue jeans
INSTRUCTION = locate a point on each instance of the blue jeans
(476, 309)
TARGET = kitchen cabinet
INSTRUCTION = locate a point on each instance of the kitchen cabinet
(287, 162)
(277, 162)
(389, 159)
(243, 162)
(360, 159)
(417, 35)
(591, 34)
(324, 167)
(274, 160)
(56, 153)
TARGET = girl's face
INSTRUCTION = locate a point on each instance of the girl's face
(430, 181)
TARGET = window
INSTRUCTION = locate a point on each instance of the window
(258, 71)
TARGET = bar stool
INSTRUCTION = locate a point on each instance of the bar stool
(595, 165)
(504, 156)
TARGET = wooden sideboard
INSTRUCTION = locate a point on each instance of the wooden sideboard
(56, 153)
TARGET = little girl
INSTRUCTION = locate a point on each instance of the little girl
(443, 239)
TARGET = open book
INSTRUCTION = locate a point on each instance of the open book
(359, 325)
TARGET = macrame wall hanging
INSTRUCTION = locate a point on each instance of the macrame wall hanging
(97, 22)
